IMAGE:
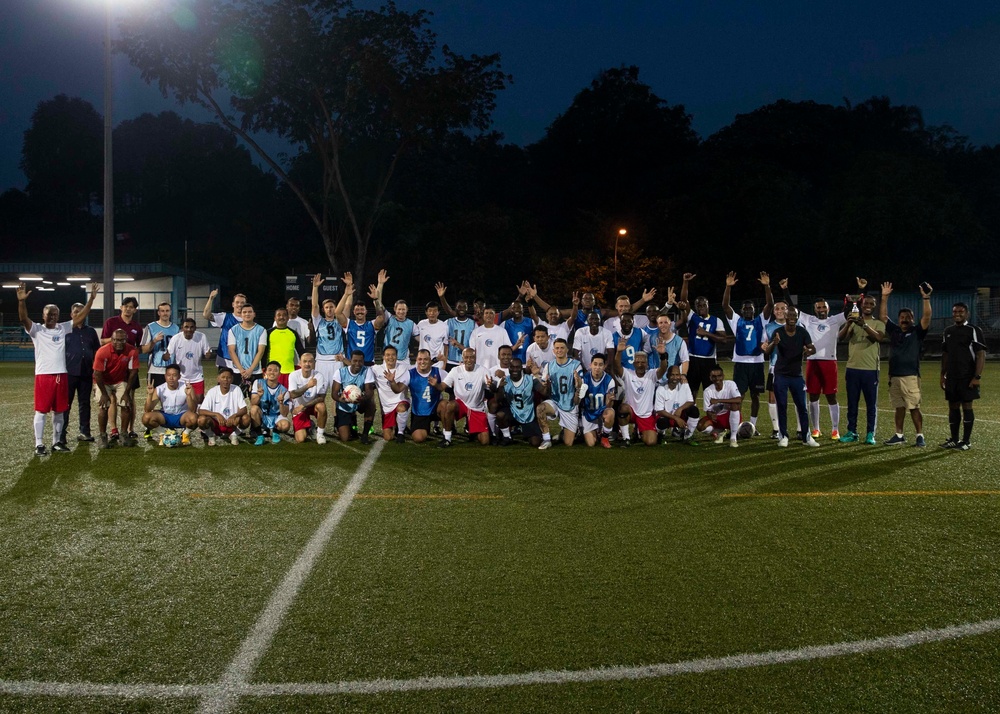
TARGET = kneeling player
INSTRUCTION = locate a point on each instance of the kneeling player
(360, 376)
(675, 409)
(307, 392)
(424, 396)
(269, 406)
(177, 405)
(640, 391)
(564, 381)
(471, 383)
(721, 402)
(516, 405)
(598, 410)
(391, 381)
(223, 411)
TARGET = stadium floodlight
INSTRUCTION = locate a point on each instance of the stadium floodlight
(30, 278)
(46, 282)
(63, 284)
(124, 279)
(15, 286)
(79, 279)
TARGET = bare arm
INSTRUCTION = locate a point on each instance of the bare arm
(207, 310)
(730, 282)
(81, 316)
(925, 298)
(22, 307)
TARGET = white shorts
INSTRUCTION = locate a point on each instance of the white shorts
(567, 420)
(589, 426)
(329, 369)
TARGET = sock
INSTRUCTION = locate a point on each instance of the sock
(954, 418)
(447, 435)
(834, 415)
(968, 419)
(491, 420)
(772, 411)
(734, 418)
(58, 427)
(709, 429)
(920, 435)
(624, 431)
(401, 421)
(505, 433)
(39, 428)
(753, 422)
(546, 436)
(899, 434)
(814, 414)
(692, 427)
(186, 431)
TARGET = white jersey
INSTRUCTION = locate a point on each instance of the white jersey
(538, 356)
(589, 345)
(433, 337)
(614, 324)
(495, 378)
(187, 354)
(296, 382)
(728, 391)
(228, 404)
(823, 333)
(639, 391)
(487, 341)
(560, 329)
(172, 401)
(386, 397)
(470, 387)
(50, 347)
(670, 400)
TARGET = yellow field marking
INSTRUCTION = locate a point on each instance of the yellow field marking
(329, 496)
(829, 494)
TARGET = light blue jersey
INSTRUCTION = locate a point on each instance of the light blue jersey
(650, 334)
(772, 327)
(346, 377)
(398, 334)
(562, 384)
(270, 399)
(460, 331)
(246, 344)
(634, 341)
(599, 394)
(329, 336)
(520, 397)
(156, 359)
(514, 330)
(361, 337)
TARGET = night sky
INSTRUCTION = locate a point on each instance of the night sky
(718, 59)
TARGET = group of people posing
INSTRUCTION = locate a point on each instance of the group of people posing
(631, 372)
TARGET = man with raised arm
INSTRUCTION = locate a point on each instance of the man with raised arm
(705, 333)
(906, 339)
(329, 321)
(557, 325)
(399, 330)
(639, 395)
(361, 331)
(51, 381)
(749, 332)
(225, 321)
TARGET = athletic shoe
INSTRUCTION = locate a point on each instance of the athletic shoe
(720, 438)
(755, 432)
(506, 441)
(401, 438)
(444, 443)
(185, 439)
(810, 442)
(849, 438)
(211, 440)
(320, 437)
(960, 446)
(114, 435)
(364, 439)
(950, 444)
(41, 451)
(275, 437)
(783, 442)
(371, 430)
(545, 445)
(816, 434)
(84, 437)
(896, 440)
(732, 443)
(775, 434)
(920, 441)
(870, 438)
(148, 434)
(626, 443)
(605, 442)
(105, 444)
(132, 435)
(234, 439)
(60, 448)
(259, 441)
(129, 441)
(690, 441)
(835, 435)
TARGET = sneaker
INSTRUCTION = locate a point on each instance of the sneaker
(133, 436)
(732, 443)
(185, 439)
(320, 437)
(84, 437)
(259, 441)
(545, 445)
(920, 441)
(147, 435)
(775, 434)
(363, 439)
(810, 442)
(835, 435)
(605, 442)
(849, 438)
(114, 435)
(690, 441)
(129, 441)
(960, 446)
(950, 444)
(105, 444)
(41, 451)
(60, 448)
(816, 434)
(401, 438)
(626, 443)
(720, 438)
(783, 442)
(234, 439)
(445, 443)
(211, 440)
(275, 437)
(896, 440)
(505, 441)
(870, 438)
(755, 432)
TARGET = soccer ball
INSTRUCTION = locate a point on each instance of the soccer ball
(352, 393)
(170, 439)
(745, 430)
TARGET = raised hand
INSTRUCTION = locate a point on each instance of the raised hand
(94, 287)
(731, 279)
(440, 288)
(648, 295)
(576, 298)
(150, 389)
(390, 376)
(688, 277)
(671, 296)
(886, 289)
(661, 345)
(783, 283)
(211, 296)
(348, 281)
(318, 280)
(432, 381)
(927, 292)
(22, 292)
(373, 292)
(499, 374)
(862, 283)
(764, 279)
(520, 341)
(522, 289)
(532, 292)
(383, 277)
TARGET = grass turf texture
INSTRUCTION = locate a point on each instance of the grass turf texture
(112, 572)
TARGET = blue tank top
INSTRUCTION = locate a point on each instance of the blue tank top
(423, 397)
(634, 342)
(461, 331)
(748, 337)
(271, 399)
(595, 402)
(329, 337)
(701, 346)
(160, 346)
(247, 342)
(514, 330)
(398, 334)
(361, 337)
(228, 323)
(346, 377)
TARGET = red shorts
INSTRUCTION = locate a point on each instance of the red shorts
(51, 393)
(821, 376)
(197, 387)
(283, 380)
(646, 423)
(303, 420)
(219, 430)
(389, 419)
(475, 421)
(720, 420)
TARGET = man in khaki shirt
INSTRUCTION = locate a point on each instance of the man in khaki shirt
(863, 333)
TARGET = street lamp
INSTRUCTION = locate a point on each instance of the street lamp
(109, 199)
(621, 234)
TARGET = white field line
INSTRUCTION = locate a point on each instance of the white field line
(256, 644)
(232, 690)
(939, 416)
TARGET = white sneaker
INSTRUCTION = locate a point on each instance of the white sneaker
(732, 443)
(811, 442)
(211, 440)
(545, 445)
(720, 438)
(234, 439)
(320, 437)
(783, 441)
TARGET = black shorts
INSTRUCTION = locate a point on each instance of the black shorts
(749, 377)
(156, 379)
(420, 423)
(958, 390)
(530, 429)
(345, 419)
(699, 369)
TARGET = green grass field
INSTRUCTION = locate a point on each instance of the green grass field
(566, 580)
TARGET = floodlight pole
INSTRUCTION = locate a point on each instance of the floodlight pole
(109, 198)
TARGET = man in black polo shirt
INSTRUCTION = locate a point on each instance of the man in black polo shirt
(81, 344)
(905, 339)
(963, 356)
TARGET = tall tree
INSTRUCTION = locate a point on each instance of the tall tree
(355, 88)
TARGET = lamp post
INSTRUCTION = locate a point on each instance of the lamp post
(621, 234)
(109, 199)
